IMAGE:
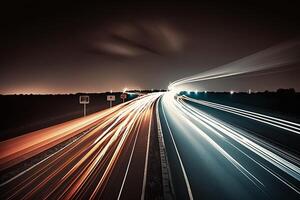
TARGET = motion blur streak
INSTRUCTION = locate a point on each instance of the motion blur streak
(17, 149)
(276, 56)
(280, 123)
(81, 169)
(220, 157)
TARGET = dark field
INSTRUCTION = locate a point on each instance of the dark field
(25, 113)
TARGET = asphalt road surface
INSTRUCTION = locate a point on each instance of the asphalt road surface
(107, 161)
(214, 153)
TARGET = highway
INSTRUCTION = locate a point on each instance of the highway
(107, 157)
(220, 152)
(213, 151)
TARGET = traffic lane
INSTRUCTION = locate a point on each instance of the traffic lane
(104, 121)
(114, 183)
(135, 183)
(281, 165)
(279, 137)
(101, 183)
(141, 112)
(42, 174)
(50, 171)
(177, 176)
(212, 164)
(16, 150)
(84, 190)
(133, 180)
(209, 174)
(59, 158)
(47, 187)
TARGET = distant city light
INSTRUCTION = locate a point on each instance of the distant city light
(231, 92)
(205, 91)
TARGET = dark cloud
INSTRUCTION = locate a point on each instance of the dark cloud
(139, 38)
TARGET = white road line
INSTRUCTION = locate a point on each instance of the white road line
(146, 160)
(267, 154)
(28, 169)
(180, 161)
(241, 110)
(129, 162)
(251, 115)
(168, 188)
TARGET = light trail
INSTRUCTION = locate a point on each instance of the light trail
(279, 123)
(253, 157)
(15, 150)
(187, 183)
(82, 168)
(128, 165)
(273, 57)
(233, 133)
(146, 160)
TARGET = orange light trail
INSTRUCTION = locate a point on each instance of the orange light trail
(82, 169)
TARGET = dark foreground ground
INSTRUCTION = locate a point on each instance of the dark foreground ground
(25, 113)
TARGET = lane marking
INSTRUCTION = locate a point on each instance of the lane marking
(33, 166)
(268, 154)
(115, 156)
(129, 162)
(168, 188)
(274, 160)
(146, 160)
(251, 115)
(180, 161)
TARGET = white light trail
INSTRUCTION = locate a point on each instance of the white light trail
(202, 122)
(273, 57)
(273, 121)
(179, 158)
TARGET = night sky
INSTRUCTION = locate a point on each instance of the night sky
(67, 47)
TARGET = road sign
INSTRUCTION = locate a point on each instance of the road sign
(84, 100)
(111, 98)
(123, 96)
